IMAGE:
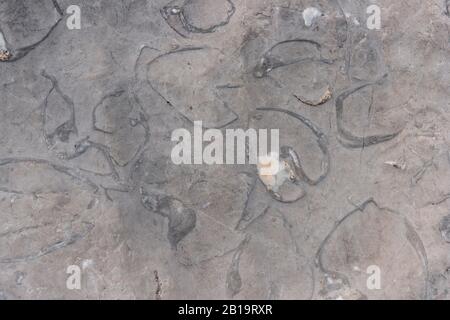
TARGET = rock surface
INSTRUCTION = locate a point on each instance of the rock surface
(87, 180)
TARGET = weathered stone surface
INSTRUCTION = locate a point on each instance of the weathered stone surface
(87, 180)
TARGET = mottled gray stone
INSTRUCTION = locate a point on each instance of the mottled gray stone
(86, 177)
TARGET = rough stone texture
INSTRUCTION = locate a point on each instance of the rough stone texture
(86, 176)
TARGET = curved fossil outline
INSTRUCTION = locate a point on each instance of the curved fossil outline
(289, 155)
(12, 55)
(67, 128)
(142, 121)
(84, 145)
(115, 94)
(322, 142)
(180, 222)
(267, 63)
(71, 172)
(178, 11)
(72, 238)
(411, 235)
(233, 281)
(345, 137)
(81, 146)
(233, 116)
(327, 95)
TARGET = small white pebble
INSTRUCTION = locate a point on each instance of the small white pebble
(309, 14)
(87, 263)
